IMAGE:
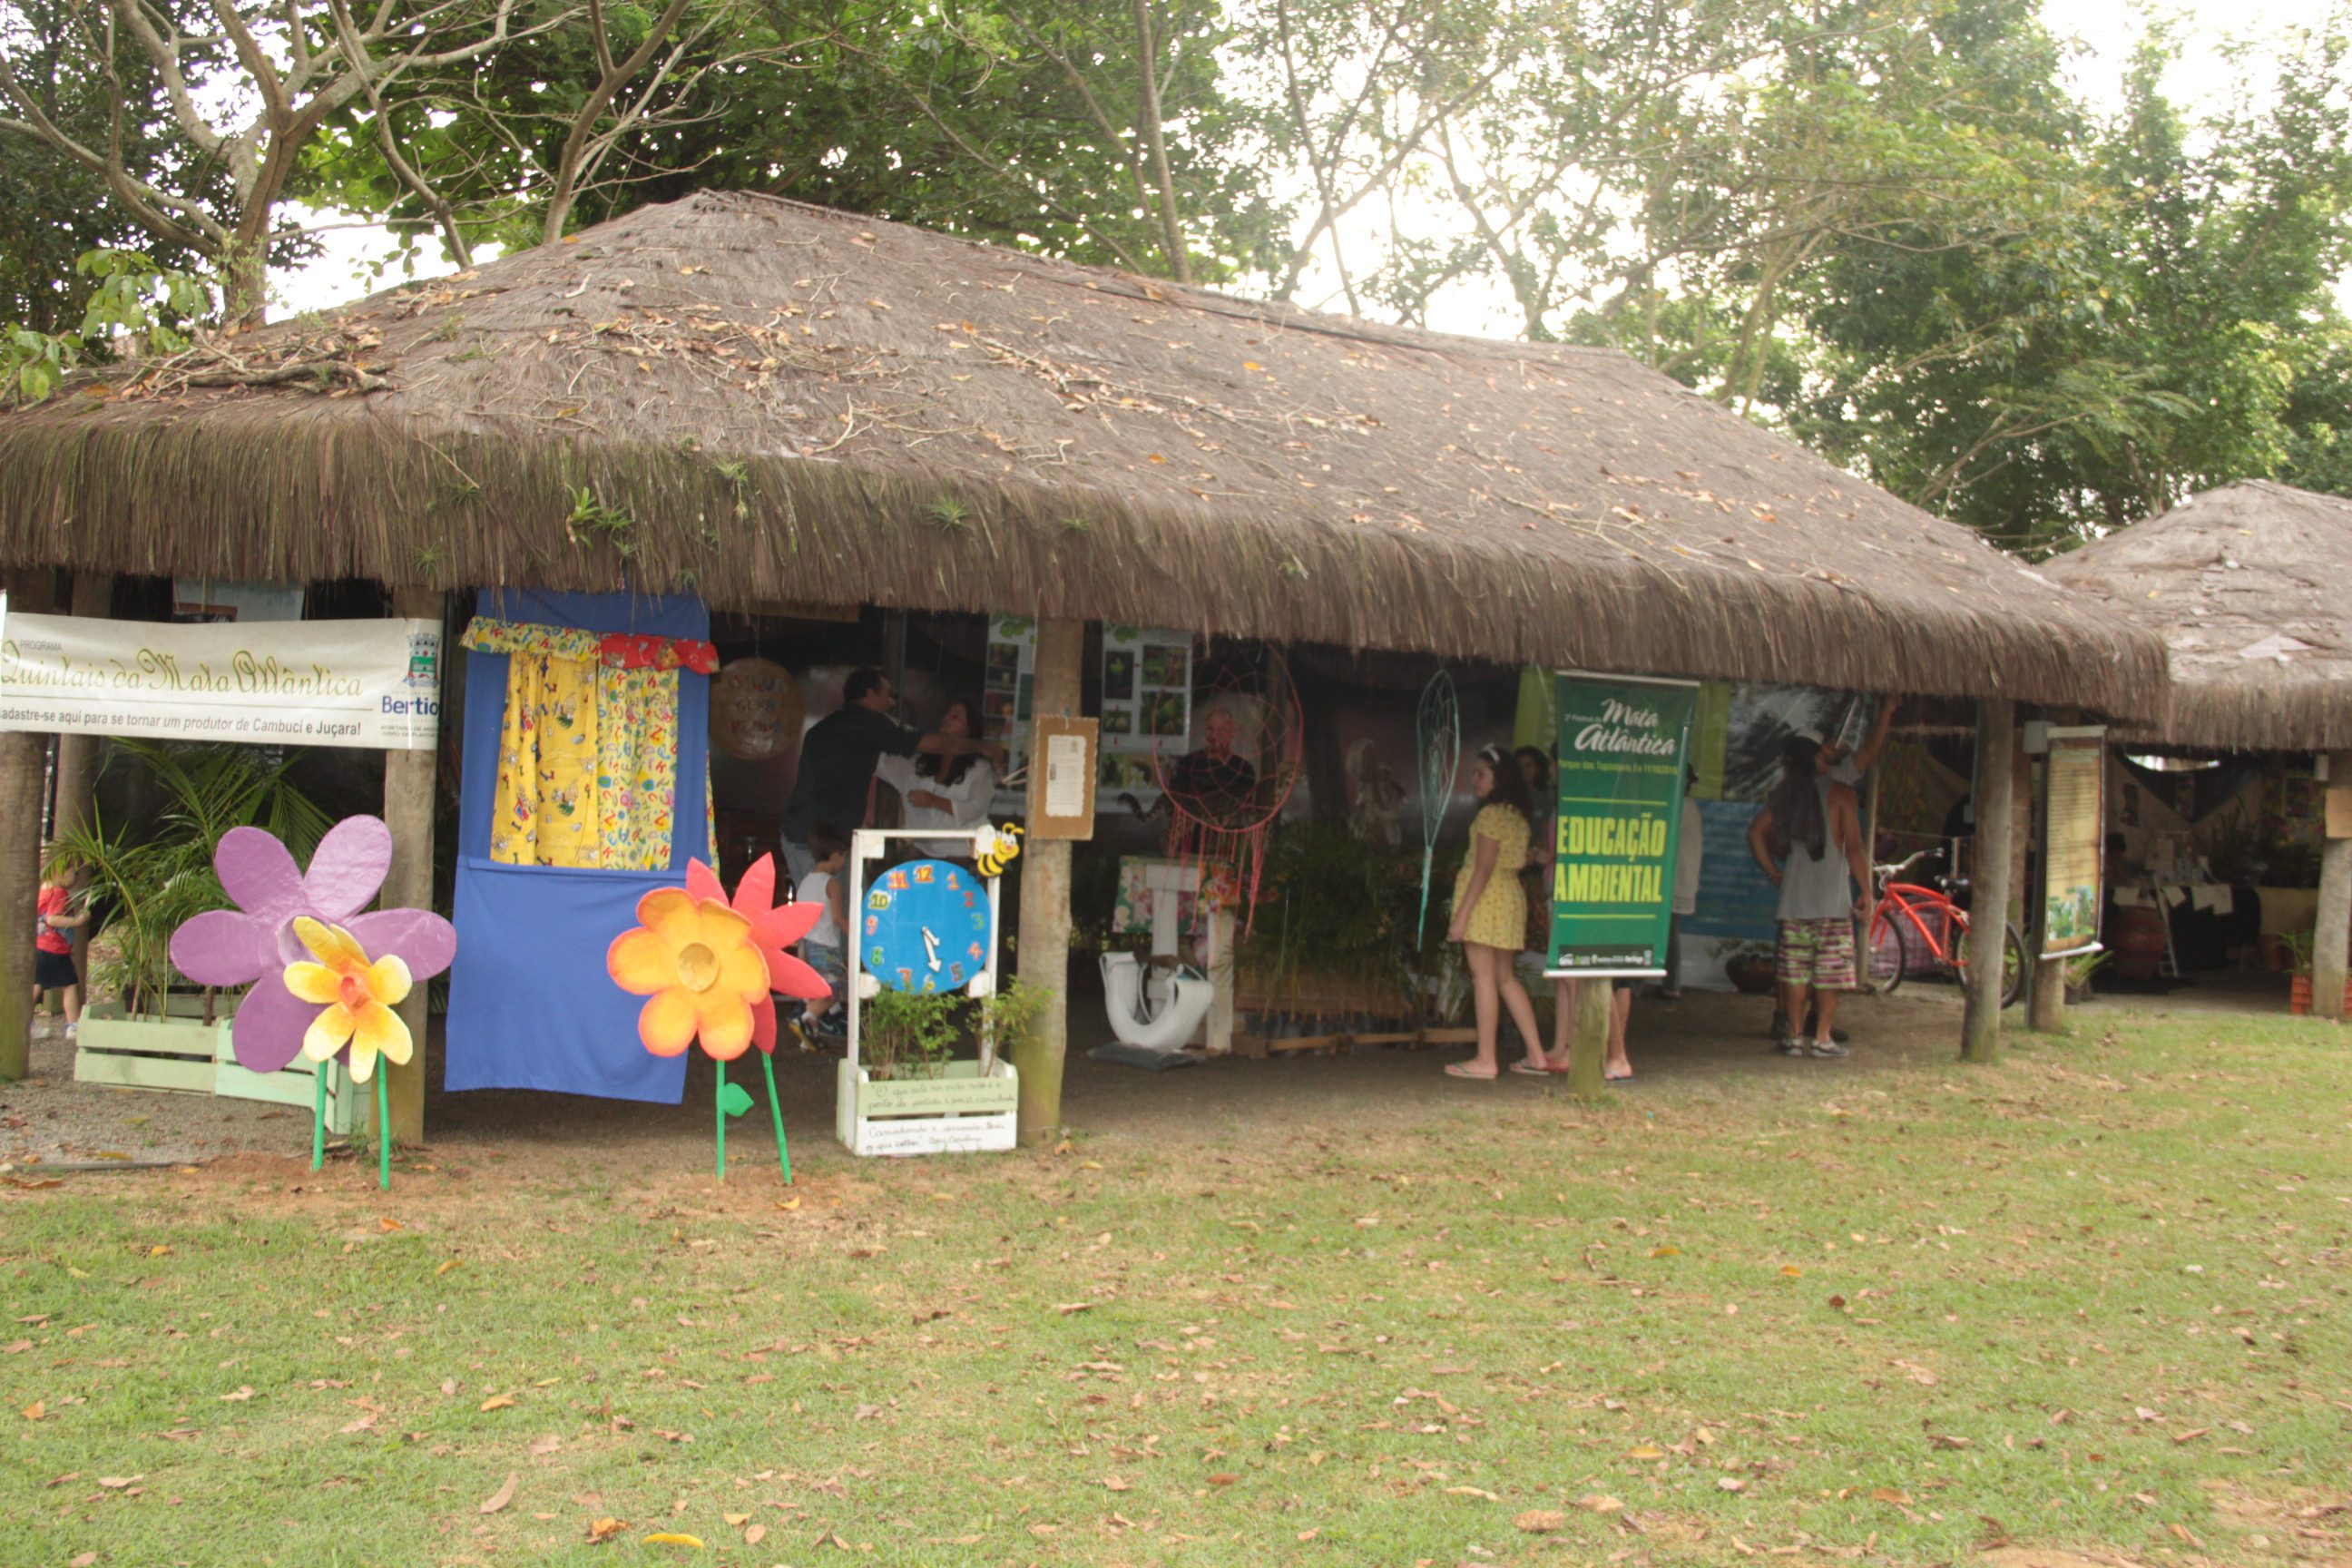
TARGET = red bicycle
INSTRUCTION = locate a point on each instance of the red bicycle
(1916, 926)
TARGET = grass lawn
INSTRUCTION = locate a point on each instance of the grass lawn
(2092, 1298)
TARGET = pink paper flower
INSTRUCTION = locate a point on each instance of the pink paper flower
(256, 940)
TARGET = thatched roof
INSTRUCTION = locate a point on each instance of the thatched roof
(753, 399)
(2251, 585)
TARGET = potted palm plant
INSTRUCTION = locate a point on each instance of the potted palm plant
(154, 1030)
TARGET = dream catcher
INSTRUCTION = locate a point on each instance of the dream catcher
(1438, 727)
(1239, 761)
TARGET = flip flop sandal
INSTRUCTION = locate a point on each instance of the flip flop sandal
(1530, 1069)
(1617, 1078)
(1462, 1069)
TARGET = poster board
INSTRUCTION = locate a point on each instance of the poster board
(373, 683)
(2074, 815)
(1008, 681)
(1624, 742)
(1147, 698)
(1062, 779)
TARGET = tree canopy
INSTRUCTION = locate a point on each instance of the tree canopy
(1895, 230)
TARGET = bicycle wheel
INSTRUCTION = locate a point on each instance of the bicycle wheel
(1888, 955)
(2012, 965)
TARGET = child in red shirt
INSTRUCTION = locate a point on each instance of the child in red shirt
(53, 964)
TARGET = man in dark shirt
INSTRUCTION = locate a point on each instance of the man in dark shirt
(837, 759)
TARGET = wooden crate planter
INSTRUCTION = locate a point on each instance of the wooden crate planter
(958, 1111)
(293, 1084)
(176, 1052)
(183, 1053)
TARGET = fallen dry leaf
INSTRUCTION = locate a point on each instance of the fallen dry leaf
(1472, 1491)
(1066, 1307)
(755, 1535)
(499, 1401)
(1888, 1494)
(1646, 1451)
(34, 1411)
(1600, 1502)
(500, 1497)
(1730, 1484)
(116, 1483)
(242, 1394)
(736, 1519)
(1541, 1520)
(447, 1266)
(1224, 1478)
(603, 1530)
(540, 1447)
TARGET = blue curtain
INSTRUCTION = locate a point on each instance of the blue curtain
(530, 1004)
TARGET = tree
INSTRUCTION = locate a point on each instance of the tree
(250, 94)
(2151, 339)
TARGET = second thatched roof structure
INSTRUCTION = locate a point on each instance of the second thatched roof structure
(2251, 584)
(755, 400)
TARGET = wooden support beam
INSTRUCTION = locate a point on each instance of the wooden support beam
(409, 789)
(2045, 1008)
(1044, 865)
(2331, 932)
(1588, 1065)
(1996, 794)
(24, 778)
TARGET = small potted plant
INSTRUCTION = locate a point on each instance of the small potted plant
(909, 1092)
(2299, 958)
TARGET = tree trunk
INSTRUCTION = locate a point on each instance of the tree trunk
(1155, 144)
(1044, 865)
(1587, 1063)
(1996, 779)
(24, 770)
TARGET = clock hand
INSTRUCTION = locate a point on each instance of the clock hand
(931, 949)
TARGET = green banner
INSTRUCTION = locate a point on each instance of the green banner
(1623, 746)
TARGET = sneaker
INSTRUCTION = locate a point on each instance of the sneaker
(1792, 1047)
(73, 1031)
(828, 1026)
(1828, 1049)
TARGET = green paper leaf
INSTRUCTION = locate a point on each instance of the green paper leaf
(736, 1100)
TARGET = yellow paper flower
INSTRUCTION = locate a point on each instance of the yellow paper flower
(694, 961)
(359, 997)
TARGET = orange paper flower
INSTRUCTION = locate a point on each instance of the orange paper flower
(359, 997)
(694, 960)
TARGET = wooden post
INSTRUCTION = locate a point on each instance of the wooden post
(409, 788)
(1588, 1066)
(2331, 932)
(24, 770)
(2045, 1010)
(1996, 781)
(1045, 955)
(78, 755)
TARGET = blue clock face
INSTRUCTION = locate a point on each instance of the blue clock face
(926, 927)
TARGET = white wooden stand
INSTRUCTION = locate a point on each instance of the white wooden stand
(966, 1107)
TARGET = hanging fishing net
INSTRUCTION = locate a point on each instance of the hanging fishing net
(1226, 778)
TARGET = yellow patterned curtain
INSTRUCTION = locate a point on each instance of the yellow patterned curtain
(588, 756)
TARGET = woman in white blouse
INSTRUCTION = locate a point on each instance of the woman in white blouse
(943, 792)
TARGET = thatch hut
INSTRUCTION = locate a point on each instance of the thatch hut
(2247, 584)
(749, 399)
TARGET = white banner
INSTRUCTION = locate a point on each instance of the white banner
(266, 683)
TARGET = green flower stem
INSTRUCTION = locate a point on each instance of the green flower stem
(721, 1104)
(319, 1115)
(383, 1131)
(784, 1155)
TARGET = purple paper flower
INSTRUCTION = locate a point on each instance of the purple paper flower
(253, 943)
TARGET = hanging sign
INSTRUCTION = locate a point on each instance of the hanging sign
(1623, 744)
(371, 683)
(1062, 780)
(2072, 800)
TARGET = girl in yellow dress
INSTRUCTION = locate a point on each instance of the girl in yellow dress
(1490, 912)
